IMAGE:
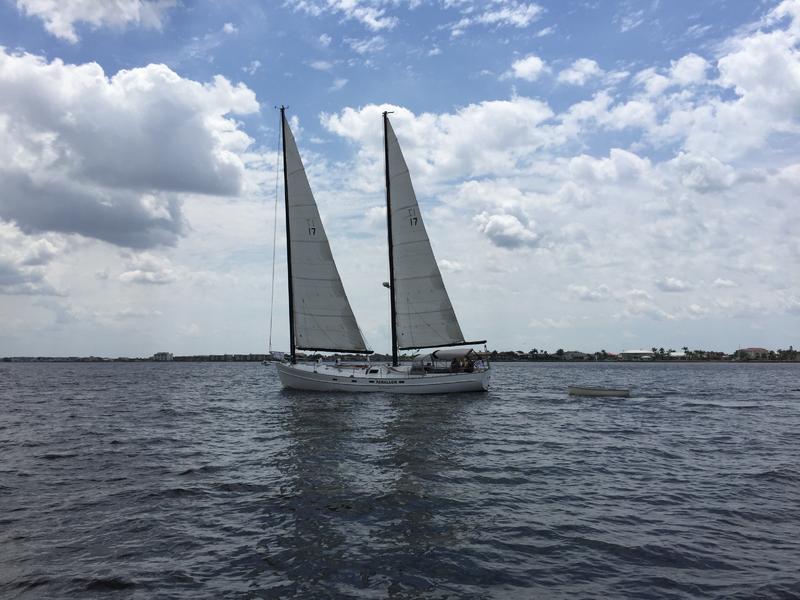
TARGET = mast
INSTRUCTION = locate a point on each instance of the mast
(395, 360)
(288, 237)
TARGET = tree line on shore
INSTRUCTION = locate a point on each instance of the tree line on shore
(655, 354)
(535, 354)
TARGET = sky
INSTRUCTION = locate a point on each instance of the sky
(594, 174)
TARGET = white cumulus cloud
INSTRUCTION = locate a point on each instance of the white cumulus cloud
(106, 157)
(507, 230)
(528, 68)
(61, 16)
(581, 71)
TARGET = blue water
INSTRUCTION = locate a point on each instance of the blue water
(209, 481)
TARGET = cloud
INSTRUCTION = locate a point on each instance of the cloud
(723, 283)
(630, 20)
(367, 46)
(528, 68)
(119, 217)
(792, 305)
(23, 260)
(375, 216)
(622, 186)
(18, 281)
(136, 313)
(325, 40)
(759, 82)
(690, 69)
(230, 28)
(697, 311)
(499, 13)
(39, 252)
(580, 72)
(600, 113)
(190, 330)
(321, 65)
(372, 14)
(638, 303)
(487, 137)
(621, 166)
(687, 71)
(637, 295)
(697, 30)
(507, 230)
(254, 66)
(106, 157)
(338, 84)
(368, 13)
(672, 284)
(505, 185)
(550, 323)
(149, 269)
(586, 294)
(703, 173)
(451, 266)
(61, 16)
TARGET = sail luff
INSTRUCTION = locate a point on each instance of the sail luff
(424, 314)
(320, 313)
(293, 351)
(392, 301)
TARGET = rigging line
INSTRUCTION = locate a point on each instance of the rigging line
(274, 234)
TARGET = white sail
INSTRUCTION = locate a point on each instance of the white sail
(424, 314)
(323, 319)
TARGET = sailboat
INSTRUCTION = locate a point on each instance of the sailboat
(321, 318)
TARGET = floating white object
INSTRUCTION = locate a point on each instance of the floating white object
(575, 390)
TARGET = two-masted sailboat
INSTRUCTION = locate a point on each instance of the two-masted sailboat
(320, 316)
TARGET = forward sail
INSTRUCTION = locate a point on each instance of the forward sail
(424, 315)
(321, 315)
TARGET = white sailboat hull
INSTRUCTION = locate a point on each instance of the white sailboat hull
(334, 378)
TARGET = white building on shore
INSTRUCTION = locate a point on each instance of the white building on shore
(636, 355)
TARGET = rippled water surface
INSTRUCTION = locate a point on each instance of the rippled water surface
(209, 481)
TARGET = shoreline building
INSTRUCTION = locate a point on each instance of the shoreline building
(636, 355)
(753, 352)
(162, 356)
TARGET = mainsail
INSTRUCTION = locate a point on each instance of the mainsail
(424, 315)
(322, 317)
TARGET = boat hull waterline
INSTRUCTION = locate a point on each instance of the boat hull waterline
(329, 378)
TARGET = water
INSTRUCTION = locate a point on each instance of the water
(209, 481)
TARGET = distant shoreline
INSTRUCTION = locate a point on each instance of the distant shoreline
(251, 358)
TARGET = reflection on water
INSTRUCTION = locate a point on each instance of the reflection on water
(363, 487)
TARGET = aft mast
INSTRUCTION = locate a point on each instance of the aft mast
(288, 237)
(395, 360)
